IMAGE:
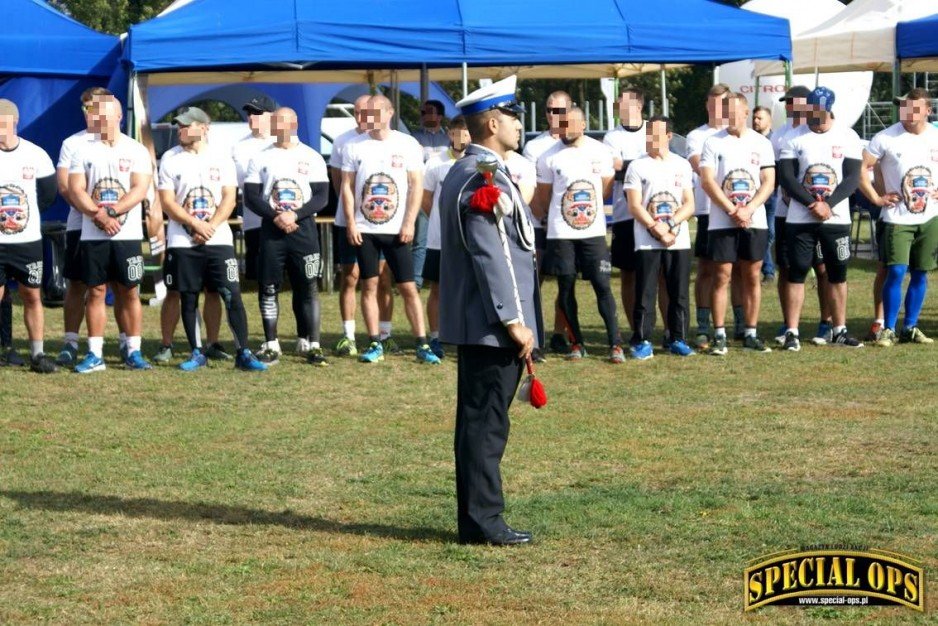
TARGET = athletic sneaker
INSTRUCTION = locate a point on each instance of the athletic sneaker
(558, 344)
(346, 347)
(616, 355)
(875, 329)
(780, 335)
(390, 346)
(164, 355)
(680, 348)
(425, 355)
(246, 361)
(702, 342)
(437, 348)
(42, 364)
(576, 353)
(755, 344)
(302, 346)
(373, 354)
(792, 342)
(268, 356)
(843, 340)
(216, 352)
(91, 363)
(887, 338)
(316, 357)
(135, 361)
(12, 359)
(642, 351)
(914, 335)
(538, 356)
(68, 356)
(718, 347)
(194, 362)
(825, 334)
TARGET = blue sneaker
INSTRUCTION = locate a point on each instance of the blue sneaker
(135, 361)
(680, 348)
(373, 354)
(643, 351)
(437, 348)
(124, 353)
(91, 363)
(194, 362)
(825, 334)
(780, 335)
(247, 362)
(425, 355)
(68, 356)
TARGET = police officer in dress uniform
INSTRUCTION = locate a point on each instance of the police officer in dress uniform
(490, 307)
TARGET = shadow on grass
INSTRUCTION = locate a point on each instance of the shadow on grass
(169, 510)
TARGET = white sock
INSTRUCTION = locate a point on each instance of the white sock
(348, 326)
(720, 332)
(749, 332)
(122, 340)
(881, 322)
(96, 346)
(385, 329)
(274, 345)
(314, 345)
(35, 347)
(793, 331)
(838, 329)
(434, 334)
(133, 344)
(71, 339)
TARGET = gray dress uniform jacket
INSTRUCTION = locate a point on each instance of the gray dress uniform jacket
(488, 274)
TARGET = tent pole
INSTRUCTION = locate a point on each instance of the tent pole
(424, 83)
(396, 98)
(896, 86)
(757, 90)
(716, 74)
(664, 91)
(131, 88)
(465, 80)
(788, 77)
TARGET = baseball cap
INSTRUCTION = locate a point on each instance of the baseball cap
(192, 115)
(260, 104)
(914, 94)
(822, 97)
(796, 91)
(8, 107)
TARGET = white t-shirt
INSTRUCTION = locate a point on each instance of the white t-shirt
(436, 170)
(524, 174)
(909, 163)
(662, 183)
(69, 147)
(778, 139)
(20, 168)
(820, 168)
(242, 153)
(286, 175)
(108, 171)
(381, 187)
(198, 181)
(575, 173)
(534, 148)
(695, 143)
(626, 145)
(736, 163)
(335, 161)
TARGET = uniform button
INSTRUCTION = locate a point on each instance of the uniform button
(498, 306)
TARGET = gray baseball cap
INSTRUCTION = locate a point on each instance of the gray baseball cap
(192, 115)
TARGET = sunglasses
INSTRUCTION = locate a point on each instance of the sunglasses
(556, 110)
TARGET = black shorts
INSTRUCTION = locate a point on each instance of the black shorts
(21, 262)
(623, 246)
(702, 248)
(298, 252)
(252, 244)
(431, 266)
(728, 245)
(565, 256)
(781, 245)
(399, 256)
(73, 255)
(111, 261)
(540, 239)
(834, 243)
(881, 241)
(345, 253)
(189, 270)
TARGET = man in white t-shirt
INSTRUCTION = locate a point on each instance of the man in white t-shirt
(737, 171)
(703, 285)
(287, 184)
(198, 189)
(573, 177)
(108, 179)
(382, 184)
(819, 167)
(660, 195)
(348, 258)
(436, 169)
(27, 187)
(907, 153)
(627, 142)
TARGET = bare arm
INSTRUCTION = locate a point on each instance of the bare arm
(540, 203)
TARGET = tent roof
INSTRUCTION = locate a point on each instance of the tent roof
(38, 41)
(917, 44)
(237, 35)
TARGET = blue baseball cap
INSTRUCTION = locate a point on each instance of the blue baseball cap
(822, 97)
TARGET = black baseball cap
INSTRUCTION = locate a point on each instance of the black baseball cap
(260, 104)
(798, 91)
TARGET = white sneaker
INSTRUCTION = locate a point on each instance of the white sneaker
(302, 346)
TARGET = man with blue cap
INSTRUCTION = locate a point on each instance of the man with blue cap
(819, 167)
(490, 304)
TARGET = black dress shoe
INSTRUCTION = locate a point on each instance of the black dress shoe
(507, 537)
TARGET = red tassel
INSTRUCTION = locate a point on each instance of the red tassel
(537, 395)
(485, 198)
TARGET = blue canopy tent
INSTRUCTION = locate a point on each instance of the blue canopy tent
(917, 44)
(48, 60)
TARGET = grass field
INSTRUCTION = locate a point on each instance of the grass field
(326, 496)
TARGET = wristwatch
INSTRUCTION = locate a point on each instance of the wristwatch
(111, 212)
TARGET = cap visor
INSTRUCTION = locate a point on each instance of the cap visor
(253, 110)
(515, 108)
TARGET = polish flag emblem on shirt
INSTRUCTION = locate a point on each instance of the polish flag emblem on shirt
(302, 168)
(124, 165)
(934, 155)
(397, 161)
(29, 173)
(214, 173)
(837, 152)
(755, 158)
